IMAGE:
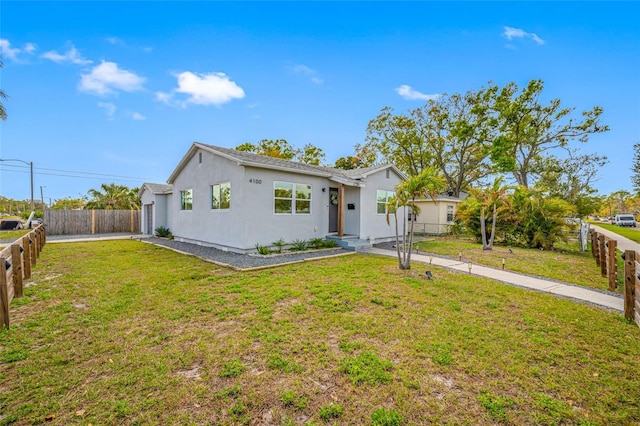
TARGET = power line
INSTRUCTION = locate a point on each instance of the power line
(87, 175)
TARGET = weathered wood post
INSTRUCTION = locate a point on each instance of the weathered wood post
(612, 265)
(4, 294)
(26, 257)
(629, 282)
(603, 255)
(33, 250)
(16, 259)
(595, 246)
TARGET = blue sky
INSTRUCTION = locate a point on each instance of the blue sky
(117, 91)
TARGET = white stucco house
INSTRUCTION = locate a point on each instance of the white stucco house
(437, 215)
(234, 200)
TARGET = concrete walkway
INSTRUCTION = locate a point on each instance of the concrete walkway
(582, 294)
(622, 243)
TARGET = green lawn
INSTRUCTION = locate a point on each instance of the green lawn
(567, 263)
(122, 332)
(631, 233)
(13, 235)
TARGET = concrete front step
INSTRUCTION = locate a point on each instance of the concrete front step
(350, 242)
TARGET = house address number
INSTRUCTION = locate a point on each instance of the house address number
(257, 181)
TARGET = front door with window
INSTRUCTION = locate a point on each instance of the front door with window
(333, 209)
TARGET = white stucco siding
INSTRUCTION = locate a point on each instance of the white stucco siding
(372, 224)
(202, 223)
(433, 216)
(159, 208)
(352, 217)
(263, 226)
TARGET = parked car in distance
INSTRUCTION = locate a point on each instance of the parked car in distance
(625, 219)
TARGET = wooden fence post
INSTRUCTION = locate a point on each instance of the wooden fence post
(93, 222)
(595, 244)
(629, 282)
(33, 249)
(603, 255)
(16, 258)
(4, 294)
(612, 266)
(26, 257)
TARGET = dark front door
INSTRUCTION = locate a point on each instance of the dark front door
(333, 209)
(149, 216)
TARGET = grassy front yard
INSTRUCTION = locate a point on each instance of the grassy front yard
(567, 263)
(122, 332)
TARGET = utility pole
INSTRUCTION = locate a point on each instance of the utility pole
(42, 197)
(30, 164)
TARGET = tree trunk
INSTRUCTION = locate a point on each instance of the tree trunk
(493, 228)
(483, 229)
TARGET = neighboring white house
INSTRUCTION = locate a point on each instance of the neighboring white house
(234, 200)
(436, 215)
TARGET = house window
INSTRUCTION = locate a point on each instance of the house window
(186, 199)
(449, 213)
(291, 198)
(221, 196)
(383, 198)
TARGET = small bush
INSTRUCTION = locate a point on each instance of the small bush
(316, 243)
(298, 245)
(330, 244)
(262, 249)
(163, 232)
(279, 245)
(382, 417)
(331, 411)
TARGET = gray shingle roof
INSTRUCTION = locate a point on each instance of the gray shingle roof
(158, 188)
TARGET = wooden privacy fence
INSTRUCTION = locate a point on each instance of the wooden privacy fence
(82, 222)
(604, 251)
(15, 267)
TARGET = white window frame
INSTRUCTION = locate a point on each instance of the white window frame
(293, 198)
(388, 195)
(183, 206)
(220, 185)
(453, 213)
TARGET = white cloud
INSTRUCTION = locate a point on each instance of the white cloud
(8, 52)
(109, 108)
(410, 94)
(203, 89)
(308, 72)
(114, 40)
(106, 78)
(138, 116)
(510, 33)
(72, 55)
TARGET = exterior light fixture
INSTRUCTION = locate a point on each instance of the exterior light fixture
(469, 266)
(429, 275)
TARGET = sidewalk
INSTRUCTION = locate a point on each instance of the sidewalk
(582, 294)
(622, 243)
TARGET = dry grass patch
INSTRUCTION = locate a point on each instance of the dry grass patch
(164, 338)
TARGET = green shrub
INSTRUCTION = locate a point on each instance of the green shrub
(279, 245)
(163, 232)
(329, 244)
(316, 243)
(298, 245)
(262, 249)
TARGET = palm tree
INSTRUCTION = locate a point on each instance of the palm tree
(425, 184)
(114, 197)
(3, 112)
(489, 198)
